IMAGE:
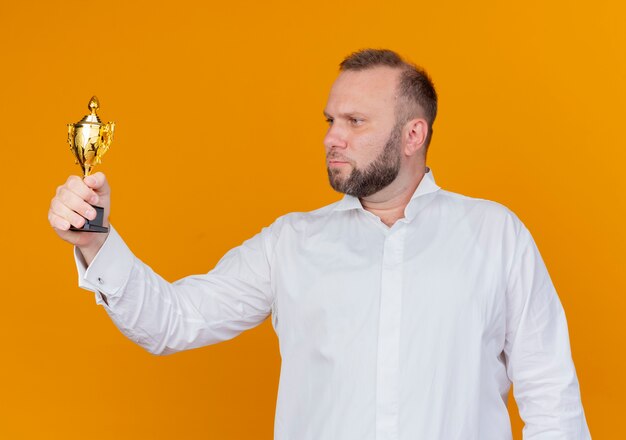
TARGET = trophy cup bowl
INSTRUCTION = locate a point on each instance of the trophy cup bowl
(89, 140)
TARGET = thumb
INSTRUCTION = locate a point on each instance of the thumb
(97, 182)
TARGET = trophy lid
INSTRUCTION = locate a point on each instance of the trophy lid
(92, 117)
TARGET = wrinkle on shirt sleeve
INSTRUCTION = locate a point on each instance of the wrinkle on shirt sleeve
(537, 350)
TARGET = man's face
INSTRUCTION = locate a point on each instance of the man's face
(363, 143)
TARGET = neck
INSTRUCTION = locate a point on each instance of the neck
(389, 203)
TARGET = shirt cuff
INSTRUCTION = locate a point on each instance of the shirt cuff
(110, 269)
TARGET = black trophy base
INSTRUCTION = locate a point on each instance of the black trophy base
(94, 225)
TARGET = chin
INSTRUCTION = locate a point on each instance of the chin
(336, 178)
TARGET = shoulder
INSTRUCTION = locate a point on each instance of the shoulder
(463, 202)
(467, 204)
(477, 211)
(301, 221)
(303, 217)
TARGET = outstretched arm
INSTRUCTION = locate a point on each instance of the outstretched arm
(198, 310)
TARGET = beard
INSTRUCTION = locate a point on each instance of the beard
(375, 176)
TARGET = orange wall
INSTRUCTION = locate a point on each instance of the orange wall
(218, 108)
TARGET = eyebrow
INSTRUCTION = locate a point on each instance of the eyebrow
(345, 115)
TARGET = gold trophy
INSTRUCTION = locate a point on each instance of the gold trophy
(89, 139)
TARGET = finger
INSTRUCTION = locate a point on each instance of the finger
(59, 209)
(78, 187)
(97, 182)
(57, 222)
(76, 203)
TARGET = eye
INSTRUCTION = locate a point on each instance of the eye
(356, 121)
(329, 121)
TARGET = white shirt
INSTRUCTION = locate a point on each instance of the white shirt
(413, 332)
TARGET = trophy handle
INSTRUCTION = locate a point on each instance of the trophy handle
(106, 137)
(71, 130)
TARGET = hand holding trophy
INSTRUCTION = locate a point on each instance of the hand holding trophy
(89, 140)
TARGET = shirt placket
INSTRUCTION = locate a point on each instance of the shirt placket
(387, 372)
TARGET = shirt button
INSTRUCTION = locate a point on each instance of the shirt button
(100, 280)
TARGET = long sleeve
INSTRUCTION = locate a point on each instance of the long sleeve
(195, 311)
(537, 351)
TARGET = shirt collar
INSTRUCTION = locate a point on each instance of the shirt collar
(426, 186)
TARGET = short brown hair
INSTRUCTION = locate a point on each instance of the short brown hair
(415, 86)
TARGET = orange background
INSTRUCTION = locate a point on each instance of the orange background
(219, 119)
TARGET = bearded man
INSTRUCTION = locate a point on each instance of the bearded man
(403, 311)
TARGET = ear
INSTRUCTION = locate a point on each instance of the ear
(415, 133)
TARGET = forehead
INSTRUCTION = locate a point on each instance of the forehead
(367, 90)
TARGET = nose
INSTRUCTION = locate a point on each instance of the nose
(335, 137)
